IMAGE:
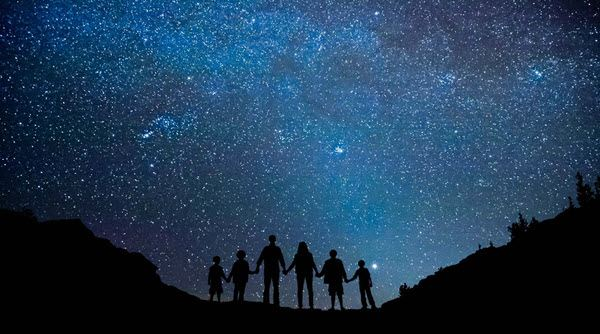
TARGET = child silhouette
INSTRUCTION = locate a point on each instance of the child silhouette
(215, 274)
(240, 272)
(364, 284)
(335, 275)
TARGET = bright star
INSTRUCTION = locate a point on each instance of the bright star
(339, 149)
(147, 135)
(374, 266)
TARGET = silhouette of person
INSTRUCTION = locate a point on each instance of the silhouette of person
(215, 274)
(305, 264)
(239, 272)
(364, 284)
(335, 275)
(272, 256)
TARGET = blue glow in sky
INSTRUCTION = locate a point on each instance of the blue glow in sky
(404, 133)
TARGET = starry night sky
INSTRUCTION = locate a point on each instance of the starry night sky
(404, 133)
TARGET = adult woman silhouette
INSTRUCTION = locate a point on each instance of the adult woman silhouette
(305, 264)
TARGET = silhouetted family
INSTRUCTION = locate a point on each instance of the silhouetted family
(271, 258)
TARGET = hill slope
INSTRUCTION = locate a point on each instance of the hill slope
(549, 268)
(61, 270)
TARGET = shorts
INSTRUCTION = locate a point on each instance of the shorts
(336, 289)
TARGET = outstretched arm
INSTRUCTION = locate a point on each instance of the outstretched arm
(353, 277)
(228, 279)
(260, 260)
(281, 260)
(291, 266)
(314, 265)
(320, 274)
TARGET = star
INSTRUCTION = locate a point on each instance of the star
(387, 130)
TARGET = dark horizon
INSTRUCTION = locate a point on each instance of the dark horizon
(403, 134)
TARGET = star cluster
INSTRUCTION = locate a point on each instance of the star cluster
(404, 133)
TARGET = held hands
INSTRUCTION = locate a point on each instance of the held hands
(285, 272)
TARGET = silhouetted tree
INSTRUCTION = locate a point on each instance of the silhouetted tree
(404, 290)
(571, 206)
(519, 228)
(533, 224)
(584, 191)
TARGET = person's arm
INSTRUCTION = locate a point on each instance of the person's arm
(281, 260)
(223, 274)
(260, 260)
(343, 271)
(353, 277)
(228, 279)
(322, 271)
(314, 265)
(209, 277)
(291, 266)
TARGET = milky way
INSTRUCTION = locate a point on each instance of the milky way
(404, 133)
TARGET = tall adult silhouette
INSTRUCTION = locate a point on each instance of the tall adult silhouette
(272, 257)
(305, 264)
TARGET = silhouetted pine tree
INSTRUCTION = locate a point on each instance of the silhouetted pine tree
(584, 191)
(519, 228)
(571, 206)
(533, 224)
(404, 289)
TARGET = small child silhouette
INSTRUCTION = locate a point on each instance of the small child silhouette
(364, 284)
(215, 274)
(335, 275)
(240, 272)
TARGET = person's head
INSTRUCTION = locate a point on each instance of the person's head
(302, 248)
(272, 239)
(361, 263)
(216, 259)
(240, 254)
(333, 253)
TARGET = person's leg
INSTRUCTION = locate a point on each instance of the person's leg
(219, 296)
(309, 287)
(235, 292)
(363, 299)
(332, 301)
(267, 284)
(341, 300)
(276, 288)
(300, 281)
(370, 296)
(241, 292)
(212, 296)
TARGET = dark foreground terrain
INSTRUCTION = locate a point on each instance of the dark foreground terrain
(58, 273)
